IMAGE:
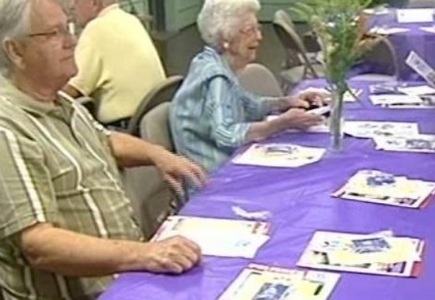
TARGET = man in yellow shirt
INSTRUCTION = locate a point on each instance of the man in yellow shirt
(117, 61)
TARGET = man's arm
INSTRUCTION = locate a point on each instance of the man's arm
(130, 151)
(71, 254)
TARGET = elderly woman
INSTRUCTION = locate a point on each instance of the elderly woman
(211, 114)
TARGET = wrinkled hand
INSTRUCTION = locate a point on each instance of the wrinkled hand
(175, 168)
(305, 99)
(172, 255)
(300, 119)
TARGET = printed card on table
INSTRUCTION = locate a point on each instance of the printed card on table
(383, 188)
(418, 143)
(261, 282)
(369, 129)
(416, 15)
(279, 155)
(218, 237)
(361, 253)
(419, 65)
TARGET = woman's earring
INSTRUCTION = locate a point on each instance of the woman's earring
(226, 45)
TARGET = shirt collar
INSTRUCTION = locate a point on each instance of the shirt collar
(108, 9)
(229, 72)
(27, 103)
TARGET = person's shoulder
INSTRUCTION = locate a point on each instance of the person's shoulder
(209, 64)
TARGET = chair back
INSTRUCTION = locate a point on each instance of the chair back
(384, 58)
(259, 80)
(293, 45)
(162, 92)
(284, 17)
(152, 198)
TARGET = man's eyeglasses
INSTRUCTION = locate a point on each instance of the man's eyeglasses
(56, 33)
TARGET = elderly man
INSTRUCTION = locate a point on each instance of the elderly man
(117, 61)
(66, 226)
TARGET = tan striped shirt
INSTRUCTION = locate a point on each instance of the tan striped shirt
(56, 167)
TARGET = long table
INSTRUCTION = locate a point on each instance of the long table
(300, 202)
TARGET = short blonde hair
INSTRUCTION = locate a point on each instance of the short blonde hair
(218, 18)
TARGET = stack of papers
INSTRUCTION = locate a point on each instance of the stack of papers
(378, 187)
(218, 237)
(279, 155)
(372, 254)
(417, 143)
(430, 29)
(397, 101)
(387, 30)
(370, 129)
(260, 282)
(417, 15)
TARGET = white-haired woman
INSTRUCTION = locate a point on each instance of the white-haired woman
(211, 114)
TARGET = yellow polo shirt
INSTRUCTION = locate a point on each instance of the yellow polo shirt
(118, 63)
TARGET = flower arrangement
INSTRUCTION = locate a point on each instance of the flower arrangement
(341, 28)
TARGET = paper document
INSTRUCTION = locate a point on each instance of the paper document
(261, 282)
(279, 155)
(218, 237)
(419, 65)
(429, 29)
(363, 253)
(416, 15)
(416, 90)
(376, 11)
(370, 129)
(418, 143)
(383, 188)
(395, 100)
(387, 30)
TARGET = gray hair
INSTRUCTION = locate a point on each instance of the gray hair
(14, 23)
(218, 18)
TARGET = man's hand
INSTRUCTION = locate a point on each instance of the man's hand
(300, 119)
(175, 168)
(173, 255)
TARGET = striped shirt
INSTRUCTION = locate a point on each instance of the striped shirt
(56, 167)
(211, 113)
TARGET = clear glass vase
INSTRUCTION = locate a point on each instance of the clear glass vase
(336, 120)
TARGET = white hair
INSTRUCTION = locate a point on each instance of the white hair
(14, 23)
(219, 18)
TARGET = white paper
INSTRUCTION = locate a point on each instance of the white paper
(369, 129)
(417, 15)
(394, 99)
(261, 215)
(279, 155)
(429, 29)
(348, 97)
(326, 248)
(417, 90)
(274, 283)
(418, 143)
(217, 237)
(387, 30)
(376, 11)
(382, 188)
(419, 65)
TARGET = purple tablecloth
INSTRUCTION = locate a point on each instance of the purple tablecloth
(300, 202)
(419, 41)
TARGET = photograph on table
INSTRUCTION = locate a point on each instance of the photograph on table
(279, 155)
(379, 187)
(418, 143)
(262, 282)
(362, 253)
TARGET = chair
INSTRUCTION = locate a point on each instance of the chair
(297, 65)
(159, 94)
(260, 81)
(152, 198)
(384, 60)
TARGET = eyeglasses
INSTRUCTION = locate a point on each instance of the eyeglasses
(252, 29)
(56, 33)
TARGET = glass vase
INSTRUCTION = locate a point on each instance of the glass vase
(336, 120)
